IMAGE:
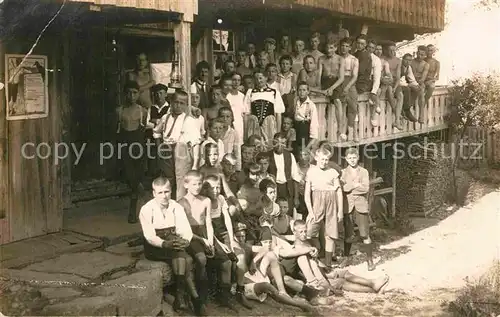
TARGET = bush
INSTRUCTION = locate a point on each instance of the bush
(480, 298)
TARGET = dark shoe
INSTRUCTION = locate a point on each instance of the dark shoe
(179, 303)
(226, 299)
(199, 307)
(240, 298)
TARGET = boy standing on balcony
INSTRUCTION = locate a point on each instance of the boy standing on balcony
(420, 70)
(389, 55)
(348, 91)
(368, 75)
(356, 183)
(331, 70)
(433, 74)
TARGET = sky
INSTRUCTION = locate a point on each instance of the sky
(469, 43)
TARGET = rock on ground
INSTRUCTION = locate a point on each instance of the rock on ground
(88, 264)
(166, 270)
(57, 293)
(124, 249)
(137, 294)
(43, 278)
(83, 306)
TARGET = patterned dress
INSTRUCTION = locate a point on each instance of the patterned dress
(264, 104)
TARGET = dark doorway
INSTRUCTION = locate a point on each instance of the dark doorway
(99, 64)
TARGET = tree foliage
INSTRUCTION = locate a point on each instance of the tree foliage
(488, 4)
(475, 101)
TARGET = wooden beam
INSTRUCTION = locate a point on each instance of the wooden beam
(391, 136)
(182, 33)
(394, 182)
(65, 116)
(383, 191)
(4, 175)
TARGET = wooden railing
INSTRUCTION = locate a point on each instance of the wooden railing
(365, 133)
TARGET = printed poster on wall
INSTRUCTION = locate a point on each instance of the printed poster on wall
(27, 90)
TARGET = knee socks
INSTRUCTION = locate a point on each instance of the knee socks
(347, 249)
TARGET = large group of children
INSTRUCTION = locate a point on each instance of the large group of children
(261, 94)
(256, 239)
(239, 190)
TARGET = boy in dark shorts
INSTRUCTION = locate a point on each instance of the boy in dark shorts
(356, 183)
(197, 209)
(167, 234)
(224, 242)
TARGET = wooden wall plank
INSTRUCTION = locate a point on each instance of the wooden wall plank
(4, 175)
(33, 182)
(53, 176)
(182, 32)
(65, 118)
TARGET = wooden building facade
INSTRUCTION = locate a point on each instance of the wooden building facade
(88, 45)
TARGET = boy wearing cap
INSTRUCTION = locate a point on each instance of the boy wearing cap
(200, 84)
(159, 108)
(270, 48)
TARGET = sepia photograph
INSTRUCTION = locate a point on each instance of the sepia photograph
(323, 158)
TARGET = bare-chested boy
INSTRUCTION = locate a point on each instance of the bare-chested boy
(349, 94)
(331, 68)
(197, 210)
(389, 55)
(386, 80)
(433, 74)
(315, 43)
(218, 101)
(420, 70)
(310, 74)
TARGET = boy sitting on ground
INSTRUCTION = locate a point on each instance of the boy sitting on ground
(257, 282)
(224, 242)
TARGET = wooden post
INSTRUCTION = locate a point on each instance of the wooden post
(182, 33)
(65, 124)
(394, 182)
(4, 175)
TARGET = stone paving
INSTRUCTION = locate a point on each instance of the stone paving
(113, 282)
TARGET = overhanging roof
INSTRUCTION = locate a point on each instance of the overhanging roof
(188, 8)
(423, 16)
(420, 14)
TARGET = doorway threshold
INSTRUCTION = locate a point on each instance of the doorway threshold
(97, 189)
(105, 219)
